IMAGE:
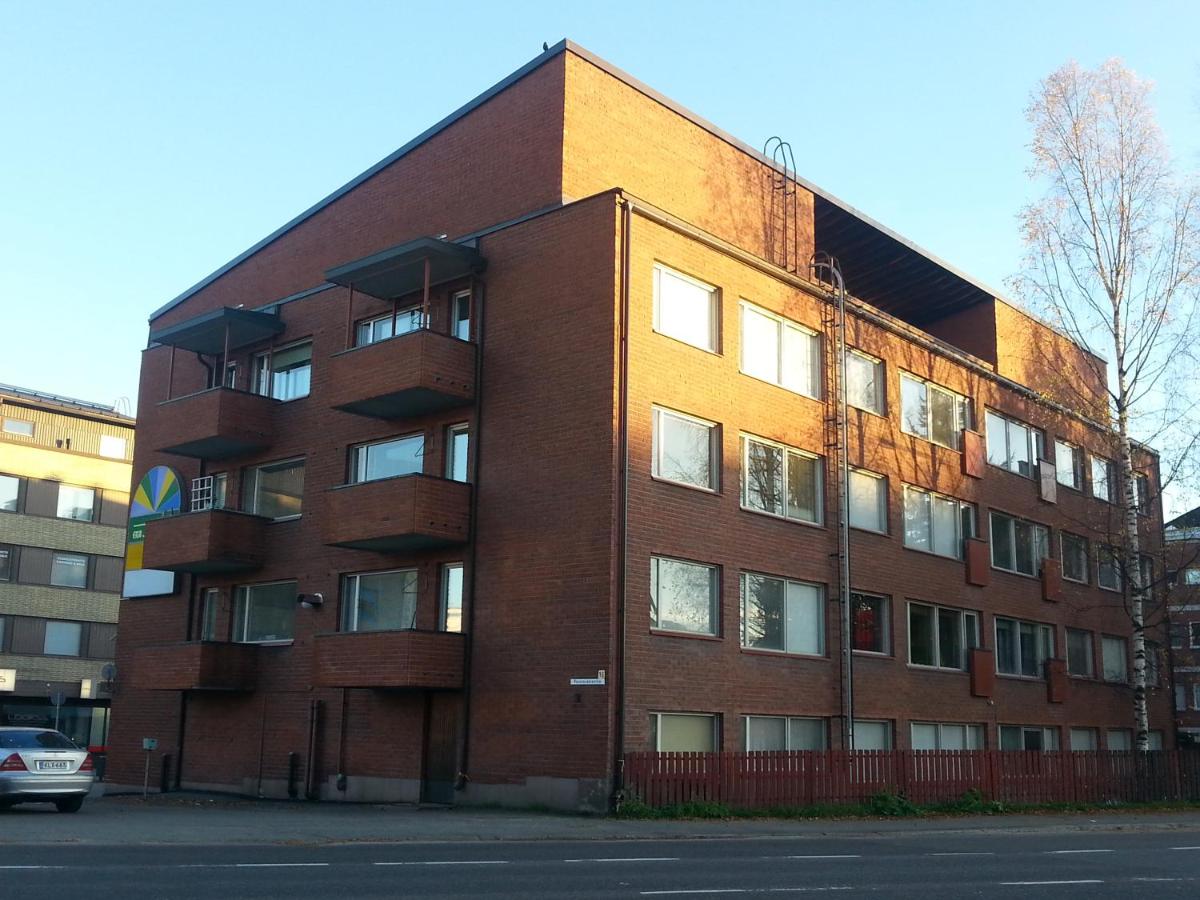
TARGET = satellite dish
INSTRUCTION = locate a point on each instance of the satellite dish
(109, 672)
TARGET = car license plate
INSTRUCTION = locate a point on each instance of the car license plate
(53, 765)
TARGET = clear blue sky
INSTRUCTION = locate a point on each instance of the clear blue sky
(145, 144)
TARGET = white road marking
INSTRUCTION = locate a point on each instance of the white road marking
(1156, 879)
(277, 865)
(626, 859)
(1079, 851)
(783, 890)
(32, 867)
(966, 853)
(448, 862)
(1032, 883)
(1185, 848)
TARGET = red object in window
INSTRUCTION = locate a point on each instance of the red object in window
(866, 628)
(14, 763)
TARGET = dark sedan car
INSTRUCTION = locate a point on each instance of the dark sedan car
(40, 765)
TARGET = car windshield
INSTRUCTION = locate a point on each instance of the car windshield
(34, 740)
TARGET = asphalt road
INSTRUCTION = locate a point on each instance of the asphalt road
(899, 865)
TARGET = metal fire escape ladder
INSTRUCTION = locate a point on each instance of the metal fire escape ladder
(825, 269)
(783, 212)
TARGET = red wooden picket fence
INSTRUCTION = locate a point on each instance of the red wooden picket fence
(834, 777)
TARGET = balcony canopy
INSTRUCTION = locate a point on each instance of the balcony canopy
(207, 333)
(400, 270)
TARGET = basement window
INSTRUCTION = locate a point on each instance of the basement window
(684, 732)
(785, 733)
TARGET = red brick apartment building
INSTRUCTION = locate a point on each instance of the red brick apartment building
(520, 451)
(1183, 561)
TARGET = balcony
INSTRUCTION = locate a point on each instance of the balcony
(409, 375)
(214, 541)
(195, 666)
(219, 423)
(389, 659)
(397, 515)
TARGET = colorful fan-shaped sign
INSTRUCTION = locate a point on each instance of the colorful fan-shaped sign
(158, 494)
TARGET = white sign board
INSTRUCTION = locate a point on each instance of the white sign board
(598, 680)
(8, 679)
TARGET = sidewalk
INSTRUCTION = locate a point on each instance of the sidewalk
(202, 819)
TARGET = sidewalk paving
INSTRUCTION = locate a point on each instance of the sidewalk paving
(203, 819)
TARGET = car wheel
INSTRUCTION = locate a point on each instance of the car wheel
(73, 804)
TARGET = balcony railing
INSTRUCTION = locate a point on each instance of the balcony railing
(210, 542)
(218, 423)
(408, 375)
(389, 659)
(397, 515)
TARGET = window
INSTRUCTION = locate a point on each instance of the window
(868, 501)
(930, 411)
(380, 328)
(1013, 445)
(1115, 659)
(865, 387)
(284, 373)
(387, 459)
(210, 605)
(1079, 653)
(1181, 702)
(1120, 739)
(1142, 493)
(940, 637)
(686, 449)
(208, 492)
(76, 503)
(1068, 465)
(277, 490)
(1154, 740)
(781, 481)
(1084, 739)
(1179, 634)
(936, 523)
(683, 596)
(785, 733)
(941, 736)
(63, 638)
(460, 315)
(680, 732)
(1191, 576)
(1195, 697)
(112, 446)
(685, 309)
(1101, 478)
(380, 601)
(1022, 648)
(264, 612)
(1074, 557)
(787, 616)
(781, 352)
(450, 616)
(69, 570)
(870, 623)
(1028, 737)
(457, 439)
(869, 735)
(10, 493)
(5, 562)
(1108, 571)
(1194, 641)
(1017, 545)
(21, 427)
(1153, 653)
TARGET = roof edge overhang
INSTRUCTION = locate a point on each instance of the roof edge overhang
(401, 270)
(213, 332)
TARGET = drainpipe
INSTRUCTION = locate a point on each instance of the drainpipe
(622, 500)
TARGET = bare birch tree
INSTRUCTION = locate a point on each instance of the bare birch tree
(1111, 259)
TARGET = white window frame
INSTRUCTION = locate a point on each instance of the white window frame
(210, 600)
(714, 596)
(657, 717)
(1049, 735)
(415, 320)
(714, 331)
(812, 374)
(1102, 463)
(1070, 474)
(18, 427)
(659, 413)
(265, 373)
(889, 737)
(962, 411)
(967, 642)
(1103, 552)
(453, 432)
(785, 493)
(444, 597)
(456, 323)
(1044, 645)
(65, 491)
(1033, 438)
(1091, 652)
(113, 447)
(241, 613)
(961, 535)
(789, 724)
(1062, 552)
(973, 735)
(359, 454)
(15, 481)
(352, 588)
(87, 568)
(1011, 536)
(1105, 640)
(881, 500)
(819, 626)
(878, 376)
(1093, 735)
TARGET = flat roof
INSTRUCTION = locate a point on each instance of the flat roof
(30, 397)
(210, 332)
(400, 270)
